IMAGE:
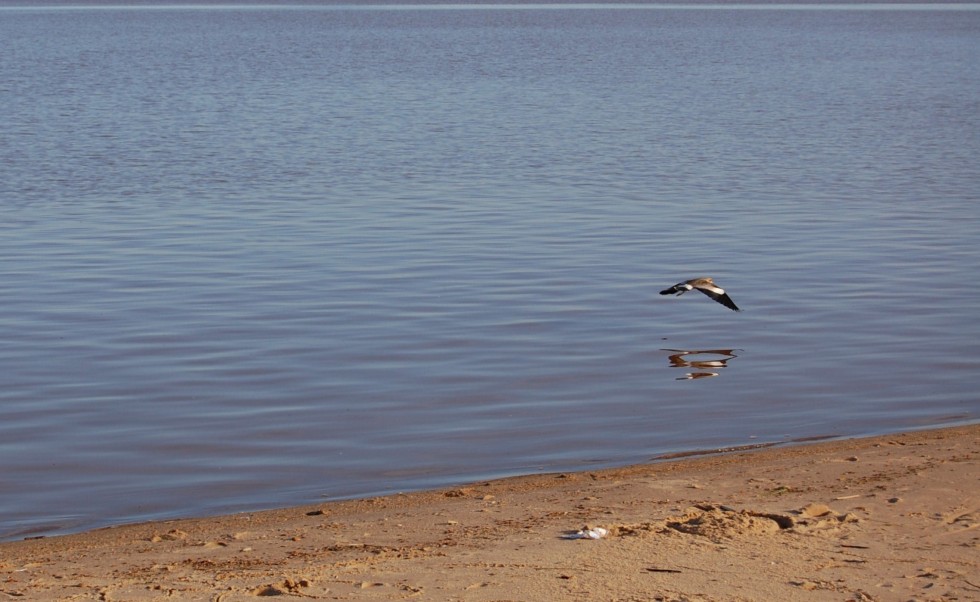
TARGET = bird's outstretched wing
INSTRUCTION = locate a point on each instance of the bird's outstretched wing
(718, 294)
(683, 287)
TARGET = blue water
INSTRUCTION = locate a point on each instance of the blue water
(258, 256)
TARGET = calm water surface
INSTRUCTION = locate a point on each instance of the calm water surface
(260, 257)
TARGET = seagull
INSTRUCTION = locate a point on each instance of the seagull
(706, 286)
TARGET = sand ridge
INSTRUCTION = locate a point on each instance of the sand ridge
(884, 518)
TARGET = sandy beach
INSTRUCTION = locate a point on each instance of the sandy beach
(885, 518)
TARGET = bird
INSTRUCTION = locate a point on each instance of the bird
(706, 286)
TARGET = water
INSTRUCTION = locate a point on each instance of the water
(254, 256)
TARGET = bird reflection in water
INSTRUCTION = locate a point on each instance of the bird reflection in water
(704, 362)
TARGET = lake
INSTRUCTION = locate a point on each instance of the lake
(256, 256)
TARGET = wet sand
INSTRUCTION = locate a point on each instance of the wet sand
(895, 517)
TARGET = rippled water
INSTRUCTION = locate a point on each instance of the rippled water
(261, 256)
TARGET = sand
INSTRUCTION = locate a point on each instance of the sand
(885, 518)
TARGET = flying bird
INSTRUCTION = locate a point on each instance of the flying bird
(706, 286)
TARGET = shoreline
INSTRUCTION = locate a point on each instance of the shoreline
(888, 517)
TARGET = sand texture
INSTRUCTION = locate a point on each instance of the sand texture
(884, 518)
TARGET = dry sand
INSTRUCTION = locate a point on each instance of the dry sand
(884, 518)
